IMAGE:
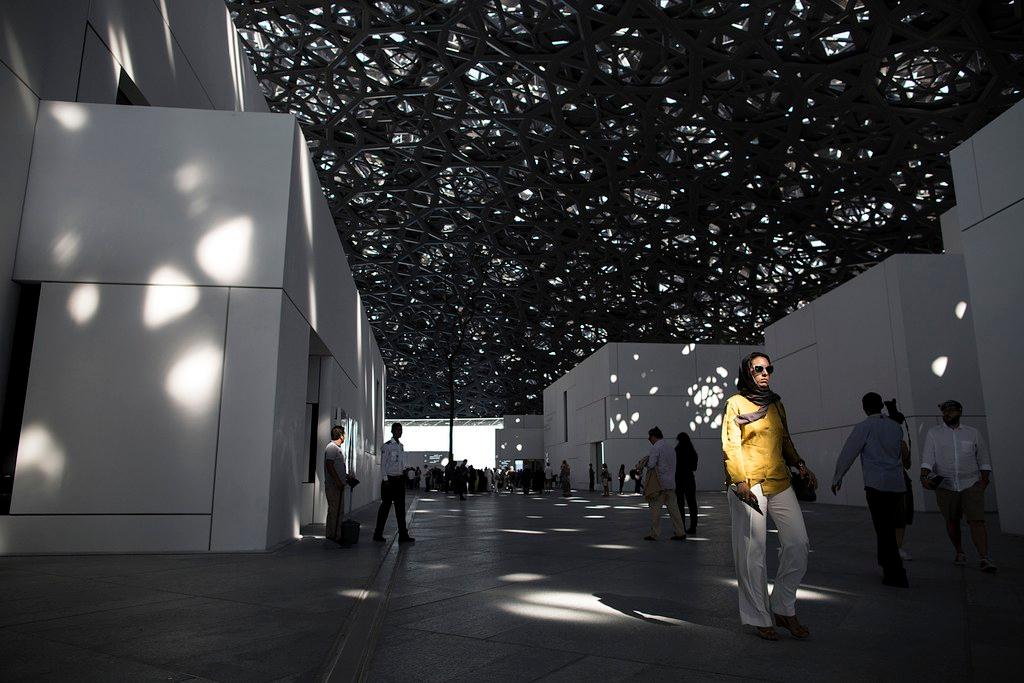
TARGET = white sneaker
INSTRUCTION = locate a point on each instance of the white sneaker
(905, 556)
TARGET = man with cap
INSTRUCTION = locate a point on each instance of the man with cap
(956, 465)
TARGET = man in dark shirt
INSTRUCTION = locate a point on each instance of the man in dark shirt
(686, 483)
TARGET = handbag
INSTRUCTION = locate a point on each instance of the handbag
(801, 486)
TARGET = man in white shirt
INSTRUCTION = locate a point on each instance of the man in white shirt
(549, 476)
(956, 465)
(392, 489)
(662, 457)
(334, 483)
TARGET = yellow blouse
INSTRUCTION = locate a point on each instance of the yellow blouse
(759, 452)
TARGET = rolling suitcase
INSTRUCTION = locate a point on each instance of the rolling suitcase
(350, 532)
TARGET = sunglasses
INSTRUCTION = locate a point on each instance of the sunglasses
(758, 369)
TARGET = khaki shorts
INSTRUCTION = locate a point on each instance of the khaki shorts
(969, 503)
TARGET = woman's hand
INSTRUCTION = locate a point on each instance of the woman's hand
(743, 489)
(807, 475)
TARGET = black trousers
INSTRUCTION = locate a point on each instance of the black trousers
(686, 494)
(886, 515)
(392, 490)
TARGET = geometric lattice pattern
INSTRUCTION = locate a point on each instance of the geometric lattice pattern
(555, 175)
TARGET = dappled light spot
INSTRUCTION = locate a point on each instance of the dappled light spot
(169, 297)
(522, 577)
(224, 252)
(83, 303)
(194, 379)
(188, 177)
(70, 115)
(561, 606)
(65, 248)
(802, 593)
(39, 452)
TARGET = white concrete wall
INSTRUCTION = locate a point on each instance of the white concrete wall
(520, 437)
(988, 171)
(183, 53)
(895, 330)
(166, 232)
(240, 504)
(175, 185)
(624, 389)
(120, 416)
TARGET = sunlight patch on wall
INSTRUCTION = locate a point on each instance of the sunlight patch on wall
(960, 310)
(194, 379)
(169, 297)
(39, 452)
(83, 303)
(224, 252)
(70, 115)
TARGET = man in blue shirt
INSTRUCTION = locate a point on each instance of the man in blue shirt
(878, 441)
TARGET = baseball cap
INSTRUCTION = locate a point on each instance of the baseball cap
(951, 404)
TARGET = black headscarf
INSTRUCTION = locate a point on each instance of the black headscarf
(749, 390)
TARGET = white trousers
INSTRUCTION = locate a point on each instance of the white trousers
(749, 540)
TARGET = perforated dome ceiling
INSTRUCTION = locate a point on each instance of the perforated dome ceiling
(563, 174)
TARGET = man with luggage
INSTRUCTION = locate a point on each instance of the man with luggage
(335, 473)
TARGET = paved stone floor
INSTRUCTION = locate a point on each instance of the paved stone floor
(545, 588)
(515, 588)
(223, 617)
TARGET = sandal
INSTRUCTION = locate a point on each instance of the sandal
(767, 633)
(795, 628)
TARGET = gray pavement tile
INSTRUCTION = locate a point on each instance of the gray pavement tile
(406, 655)
(289, 654)
(593, 668)
(30, 658)
(67, 597)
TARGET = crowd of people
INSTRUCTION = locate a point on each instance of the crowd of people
(765, 473)
(765, 477)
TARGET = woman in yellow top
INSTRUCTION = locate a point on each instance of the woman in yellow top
(758, 454)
